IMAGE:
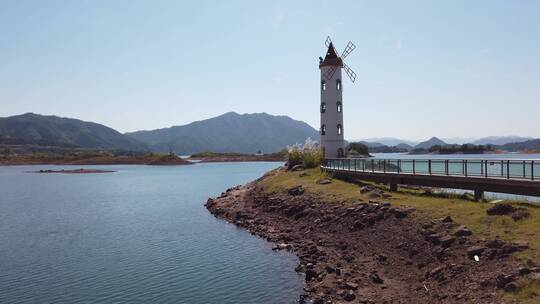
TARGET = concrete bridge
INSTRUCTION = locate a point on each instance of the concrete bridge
(521, 177)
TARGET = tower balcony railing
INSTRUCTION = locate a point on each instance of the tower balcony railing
(503, 168)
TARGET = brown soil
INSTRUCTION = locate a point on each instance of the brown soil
(373, 252)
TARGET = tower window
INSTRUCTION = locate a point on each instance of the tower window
(323, 130)
(339, 106)
(323, 85)
(338, 84)
(339, 129)
(340, 152)
(323, 107)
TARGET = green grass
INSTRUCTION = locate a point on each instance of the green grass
(463, 211)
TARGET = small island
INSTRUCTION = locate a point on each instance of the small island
(74, 171)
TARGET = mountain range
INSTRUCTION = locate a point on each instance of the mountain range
(34, 129)
(408, 144)
(230, 132)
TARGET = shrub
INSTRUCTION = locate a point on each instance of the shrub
(309, 155)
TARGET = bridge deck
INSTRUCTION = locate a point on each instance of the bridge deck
(502, 176)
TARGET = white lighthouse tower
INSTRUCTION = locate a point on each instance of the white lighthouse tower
(331, 107)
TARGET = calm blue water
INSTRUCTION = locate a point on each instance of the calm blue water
(140, 235)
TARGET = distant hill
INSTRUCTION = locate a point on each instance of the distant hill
(388, 141)
(404, 146)
(434, 141)
(35, 129)
(371, 144)
(533, 144)
(500, 140)
(230, 132)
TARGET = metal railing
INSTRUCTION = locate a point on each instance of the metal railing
(508, 169)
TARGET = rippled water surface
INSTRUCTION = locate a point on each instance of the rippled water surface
(139, 235)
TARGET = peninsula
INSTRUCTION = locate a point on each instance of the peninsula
(359, 242)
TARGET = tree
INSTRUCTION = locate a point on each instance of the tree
(360, 148)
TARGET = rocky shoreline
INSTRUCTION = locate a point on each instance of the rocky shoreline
(371, 251)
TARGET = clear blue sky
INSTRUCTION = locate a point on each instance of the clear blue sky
(458, 68)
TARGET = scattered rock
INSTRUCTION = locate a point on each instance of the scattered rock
(446, 241)
(303, 174)
(511, 287)
(297, 190)
(324, 181)
(400, 213)
(475, 250)
(311, 274)
(281, 246)
(503, 279)
(520, 214)
(434, 238)
(374, 195)
(351, 286)
(447, 219)
(386, 195)
(366, 189)
(524, 270)
(349, 296)
(376, 278)
(496, 243)
(298, 168)
(462, 231)
(500, 209)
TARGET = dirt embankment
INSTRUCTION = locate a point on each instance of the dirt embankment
(374, 252)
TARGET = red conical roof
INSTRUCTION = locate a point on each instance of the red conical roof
(331, 57)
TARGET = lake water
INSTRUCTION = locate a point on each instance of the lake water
(139, 235)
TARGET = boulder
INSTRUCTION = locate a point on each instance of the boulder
(520, 214)
(303, 174)
(500, 209)
(446, 241)
(297, 190)
(324, 181)
(366, 189)
(462, 231)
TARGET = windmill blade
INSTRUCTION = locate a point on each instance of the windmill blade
(331, 71)
(328, 41)
(348, 49)
(350, 72)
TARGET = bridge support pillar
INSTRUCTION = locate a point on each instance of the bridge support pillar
(478, 195)
(393, 187)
